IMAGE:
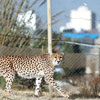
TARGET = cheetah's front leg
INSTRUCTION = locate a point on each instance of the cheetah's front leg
(37, 88)
(49, 79)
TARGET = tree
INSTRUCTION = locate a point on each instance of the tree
(71, 48)
(9, 11)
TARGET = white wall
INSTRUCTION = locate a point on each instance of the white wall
(28, 19)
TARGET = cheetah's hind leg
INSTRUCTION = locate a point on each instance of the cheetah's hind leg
(9, 77)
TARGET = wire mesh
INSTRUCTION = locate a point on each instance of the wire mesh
(81, 63)
(80, 66)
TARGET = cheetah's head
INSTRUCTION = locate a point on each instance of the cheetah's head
(57, 58)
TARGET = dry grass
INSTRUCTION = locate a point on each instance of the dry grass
(29, 95)
(83, 92)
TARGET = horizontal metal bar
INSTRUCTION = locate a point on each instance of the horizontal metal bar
(83, 44)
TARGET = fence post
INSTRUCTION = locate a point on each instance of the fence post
(93, 64)
(49, 35)
(49, 27)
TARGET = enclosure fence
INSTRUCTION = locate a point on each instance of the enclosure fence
(80, 64)
(86, 58)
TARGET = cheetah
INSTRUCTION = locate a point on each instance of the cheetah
(31, 67)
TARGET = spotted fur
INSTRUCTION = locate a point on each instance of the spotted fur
(31, 67)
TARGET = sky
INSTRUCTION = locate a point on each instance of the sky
(67, 6)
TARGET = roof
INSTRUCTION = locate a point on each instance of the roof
(81, 35)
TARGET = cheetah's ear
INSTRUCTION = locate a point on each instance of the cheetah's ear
(62, 53)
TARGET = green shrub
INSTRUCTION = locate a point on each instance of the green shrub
(2, 82)
(58, 76)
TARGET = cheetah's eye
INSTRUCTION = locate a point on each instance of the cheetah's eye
(56, 57)
(61, 57)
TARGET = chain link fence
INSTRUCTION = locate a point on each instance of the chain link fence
(80, 67)
(83, 67)
(77, 56)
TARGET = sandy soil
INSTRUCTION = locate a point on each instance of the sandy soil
(28, 95)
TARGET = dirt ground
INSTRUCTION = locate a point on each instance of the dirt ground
(28, 95)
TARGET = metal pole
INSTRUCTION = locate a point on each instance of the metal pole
(49, 36)
(49, 27)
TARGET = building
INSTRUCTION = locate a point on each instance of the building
(28, 19)
(98, 27)
(81, 19)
